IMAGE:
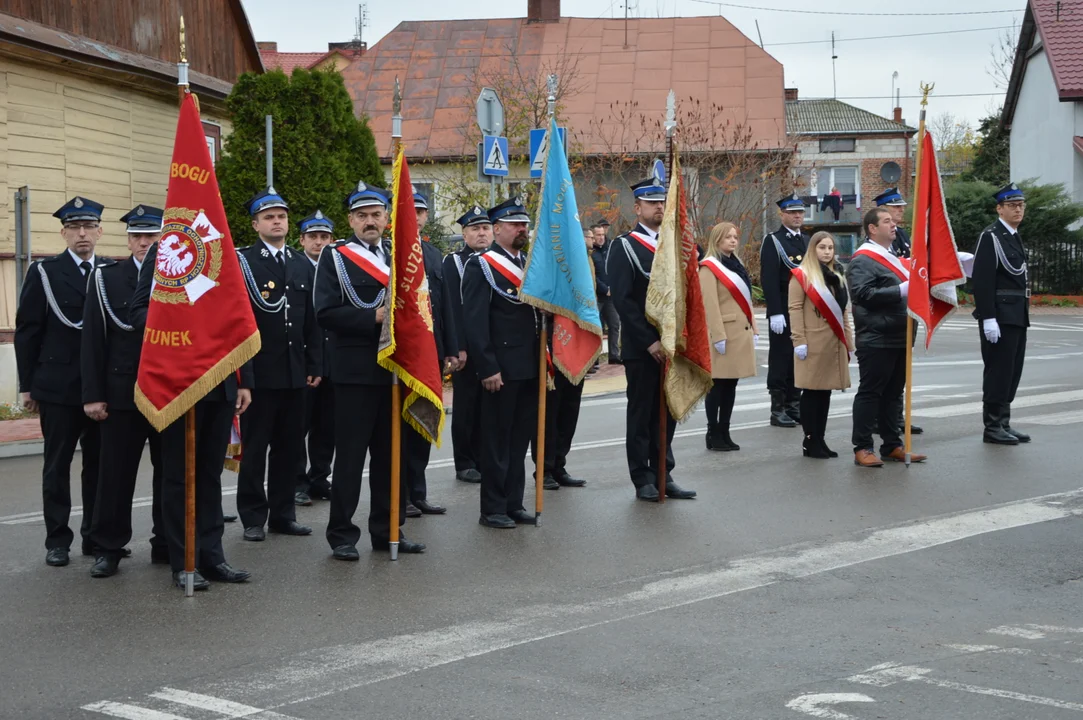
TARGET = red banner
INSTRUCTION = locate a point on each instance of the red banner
(935, 270)
(200, 326)
(407, 345)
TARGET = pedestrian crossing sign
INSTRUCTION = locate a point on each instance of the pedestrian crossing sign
(495, 152)
(539, 148)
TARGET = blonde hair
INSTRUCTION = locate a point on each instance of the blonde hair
(810, 264)
(718, 232)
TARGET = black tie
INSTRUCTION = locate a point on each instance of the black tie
(85, 267)
(375, 250)
(279, 259)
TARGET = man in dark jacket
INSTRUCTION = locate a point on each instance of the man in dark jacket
(606, 308)
(878, 284)
(1002, 305)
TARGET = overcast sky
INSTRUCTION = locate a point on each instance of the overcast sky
(956, 62)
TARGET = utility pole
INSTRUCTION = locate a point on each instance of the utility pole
(834, 57)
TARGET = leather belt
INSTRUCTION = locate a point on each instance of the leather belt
(1014, 293)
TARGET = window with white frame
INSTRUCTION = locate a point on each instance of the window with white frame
(846, 178)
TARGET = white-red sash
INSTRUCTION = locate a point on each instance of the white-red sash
(645, 241)
(825, 302)
(734, 283)
(376, 268)
(885, 258)
(511, 271)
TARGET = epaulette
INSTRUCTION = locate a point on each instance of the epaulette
(51, 258)
(339, 243)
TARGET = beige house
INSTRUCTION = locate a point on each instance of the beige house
(88, 106)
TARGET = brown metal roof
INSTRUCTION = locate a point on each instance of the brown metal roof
(1059, 25)
(827, 116)
(440, 63)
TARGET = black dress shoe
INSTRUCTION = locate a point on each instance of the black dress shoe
(566, 480)
(412, 511)
(781, 419)
(320, 492)
(346, 552)
(405, 546)
(673, 490)
(1020, 436)
(159, 556)
(290, 528)
(229, 518)
(549, 482)
(57, 557)
(198, 582)
(254, 534)
(469, 475)
(302, 498)
(649, 493)
(522, 517)
(225, 573)
(502, 522)
(999, 436)
(105, 566)
(916, 429)
(429, 508)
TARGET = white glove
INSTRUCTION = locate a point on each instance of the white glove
(904, 289)
(991, 328)
(755, 341)
(778, 324)
(967, 261)
(720, 347)
(801, 351)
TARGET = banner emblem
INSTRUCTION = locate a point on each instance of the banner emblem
(181, 272)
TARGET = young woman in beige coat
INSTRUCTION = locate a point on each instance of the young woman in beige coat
(727, 297)
(823, 338)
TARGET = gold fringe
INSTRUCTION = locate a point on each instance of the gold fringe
(578, 378)
(232, 465)
(681, 386)
(385, 352)
(537, 302)
(161, 419)
(419, 390)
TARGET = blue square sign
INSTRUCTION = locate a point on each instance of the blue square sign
(495, 152)
(539, 146)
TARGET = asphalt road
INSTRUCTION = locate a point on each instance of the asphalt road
(790, 588)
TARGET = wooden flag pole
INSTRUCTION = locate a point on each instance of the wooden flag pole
(908, 436)
(396, 388)
(539, 444)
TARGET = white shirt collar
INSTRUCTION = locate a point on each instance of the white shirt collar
(1012, 230)
(311, 260)
(79, 261)
(138, 265)
(272, 249)
(652, 234)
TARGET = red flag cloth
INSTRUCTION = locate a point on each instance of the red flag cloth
(696, 347)
(407, 345)
(935, 269)
(200, 326)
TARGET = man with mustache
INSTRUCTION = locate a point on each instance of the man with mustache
(502, 344)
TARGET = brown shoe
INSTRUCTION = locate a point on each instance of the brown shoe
(867, 458)
(899, 455)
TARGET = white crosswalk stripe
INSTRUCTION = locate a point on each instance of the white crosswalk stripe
(197, 707)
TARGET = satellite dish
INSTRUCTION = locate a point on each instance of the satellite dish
(890, 172)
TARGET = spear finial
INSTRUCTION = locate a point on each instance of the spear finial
(671, 113)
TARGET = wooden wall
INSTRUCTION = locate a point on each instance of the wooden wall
(216, 37)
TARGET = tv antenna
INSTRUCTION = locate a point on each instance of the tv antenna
(362, 21)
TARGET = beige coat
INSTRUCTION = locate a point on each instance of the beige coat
(827, 364)
(726, 321)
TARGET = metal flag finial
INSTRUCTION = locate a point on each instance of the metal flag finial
(396, 102)
(925, 90)
(183, 42)
(551, 84)
(671, 112)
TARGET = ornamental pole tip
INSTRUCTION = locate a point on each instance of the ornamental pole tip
(183, 43)
(396, 103)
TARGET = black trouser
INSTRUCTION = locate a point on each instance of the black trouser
(62, 426)
(780, 363)
(641, 441)
(319, 428)
(815, 405)
(123, 435)
(362, 427)
(465, 429)
(415, 459)
(719, 404)
(609, 315)
(879, 394)
(213, 422)
(561, 417)
(1003, 365)
(275, 419)
(510, 418)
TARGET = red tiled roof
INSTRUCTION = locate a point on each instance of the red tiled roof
(1061, 27)
(288, 61)
(439, 64)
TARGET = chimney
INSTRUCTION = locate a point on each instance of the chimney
(791, 94)
(267, 46)
(897, 115)
(542, 11)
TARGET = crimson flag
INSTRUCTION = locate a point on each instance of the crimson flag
(200, 326)
(935, 269)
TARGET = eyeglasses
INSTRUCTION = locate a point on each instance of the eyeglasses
(82, 226)
(1018, 205)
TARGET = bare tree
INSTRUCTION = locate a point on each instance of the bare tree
(1002, 57)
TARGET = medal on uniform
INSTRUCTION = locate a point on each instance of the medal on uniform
(271, 284)
(265, 295)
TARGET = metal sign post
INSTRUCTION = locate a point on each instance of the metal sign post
(493, 150)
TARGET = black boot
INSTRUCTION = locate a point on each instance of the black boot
(826, 449)
(712, 431)
(1006, 416)
(727, 443)
(994, 426)
(811, 448)
(779, 416)
(793, 408)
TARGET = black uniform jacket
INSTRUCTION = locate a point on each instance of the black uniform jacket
(601, 279)
(355, 334)
(47, 350)
(453, 279)
(291, 341)
(226, 391)
(110, 355)
(997, 293)
(878, 305)
(628, 291)
(501, 334)
(775, 273)
(443, 320)
(901, 244)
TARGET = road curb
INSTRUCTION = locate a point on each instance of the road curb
(21, 448)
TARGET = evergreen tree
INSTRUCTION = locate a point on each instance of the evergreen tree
(321, 150)
(992, 160)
